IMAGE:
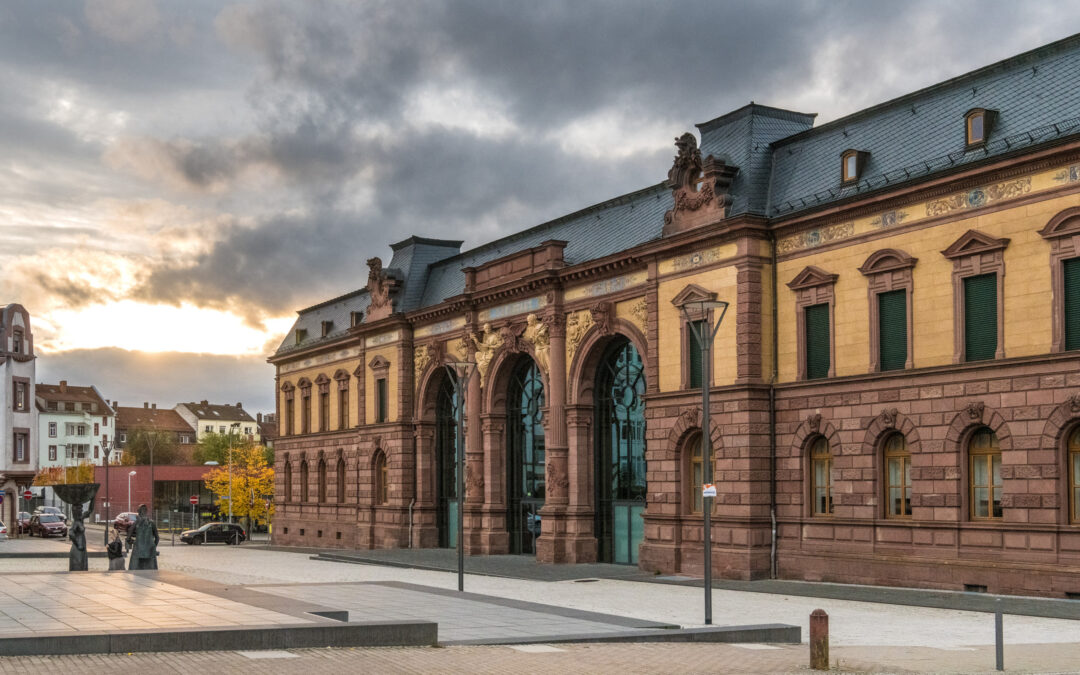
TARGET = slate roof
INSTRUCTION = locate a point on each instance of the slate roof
(216, 411)
(336, 310)
(51, 392)
(160, 419)
(922, 133)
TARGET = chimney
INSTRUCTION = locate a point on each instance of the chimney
(258, 417)
(145, 404)
(239, 404)
(204, 402)
(63, 386)
(154, 406)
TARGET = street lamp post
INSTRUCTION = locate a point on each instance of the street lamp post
(235, 425)
(700, 316)
(462, 372)
(130, 474)
(106, 448)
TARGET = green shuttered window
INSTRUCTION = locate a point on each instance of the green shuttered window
(980, 317)
(381, 401)
(694, 329)
(892, 325)
(817, 341)
(1072, 303)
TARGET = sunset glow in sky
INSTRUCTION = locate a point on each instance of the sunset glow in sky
(178, 178)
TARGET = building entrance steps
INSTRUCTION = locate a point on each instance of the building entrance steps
(526, 567)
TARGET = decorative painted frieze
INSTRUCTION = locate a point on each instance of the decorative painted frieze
(514, 308)
(696, 259)
(606, 287)
(980, 196)
(319, 360)
(440, 327)
(382, 339)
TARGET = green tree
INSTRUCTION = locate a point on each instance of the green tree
(215, 447)
(144, 443)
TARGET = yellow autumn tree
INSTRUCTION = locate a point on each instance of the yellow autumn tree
(252, 485)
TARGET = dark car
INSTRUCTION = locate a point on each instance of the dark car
(52, 511)
(124, 521)
(23, 522)
(215, 532)
(47, 525)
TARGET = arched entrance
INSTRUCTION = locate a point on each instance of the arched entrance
(620, 453)
(525, 455)
(446, 440)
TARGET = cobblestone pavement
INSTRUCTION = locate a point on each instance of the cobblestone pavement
(541, 659)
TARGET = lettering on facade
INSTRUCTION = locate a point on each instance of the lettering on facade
(513, 308)
(439, 328)
(815, 237)
(980, 196)
(382, 339)
(607, 286)
(319, 360)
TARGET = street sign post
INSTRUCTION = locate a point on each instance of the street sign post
(194, 499)
(28, 495)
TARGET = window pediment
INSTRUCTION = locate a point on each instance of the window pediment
(341, 374)
(288, 386)
(693, 293)
(811, 277)
(379, 363)
(304, 383)
(1064, 224)
(322, 379)
(887, 260)
(974, 242)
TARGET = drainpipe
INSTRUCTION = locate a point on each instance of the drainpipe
(411, 504)
(772, 410)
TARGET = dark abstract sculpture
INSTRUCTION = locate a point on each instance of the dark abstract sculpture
(77, 494)
(144, 551)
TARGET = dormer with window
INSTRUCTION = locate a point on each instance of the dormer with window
(356, 318)
(327, 328)
(301, 335)
(978, 123)
(852, 163)
(17, 341)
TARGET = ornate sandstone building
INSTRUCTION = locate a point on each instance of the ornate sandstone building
(895, 394)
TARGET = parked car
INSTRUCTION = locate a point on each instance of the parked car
(215, 532)
(124, 521)
(23, 522)
(51, 510)
(47, 525)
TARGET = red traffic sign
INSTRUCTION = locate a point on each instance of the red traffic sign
(194, 499)
(28, 495)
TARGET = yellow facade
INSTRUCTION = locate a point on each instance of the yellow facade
(391, 355)
(720, 280)
(312, 373)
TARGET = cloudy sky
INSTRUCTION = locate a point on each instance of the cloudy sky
(178, 178)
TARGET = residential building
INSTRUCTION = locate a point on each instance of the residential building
(895, 382)
(18, 434)
(151, 417)
(268, 429)
(75, 424)
(215, 418)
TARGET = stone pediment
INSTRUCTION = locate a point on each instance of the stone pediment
(811, 277)
(887, 260)
(322, 379)
(1064, 224)
(379, 363)
(974, 242)
(692, 293)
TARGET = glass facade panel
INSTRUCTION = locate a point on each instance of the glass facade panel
(526, 455)
(446, 440)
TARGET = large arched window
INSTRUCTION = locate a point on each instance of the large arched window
(984, 475)
(525, 454)
(339, 475)
(303, 481)
(695, 472)
(1074, 475)
(322, 480)
(821, 477)
(288, 481)
(382, 479)
(897, 477)
(446, 443)
(620, 452)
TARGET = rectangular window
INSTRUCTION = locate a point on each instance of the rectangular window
(986, 486)
(892, 329)
(104, 421)
(52, 405)
(104, 439)
(380, 400)
(980, 317)
(17, 340)
(290, 415)
(96, 451)
(20, 397)
(209, 428)
(52, 429)
(324, 411)
(52, 453)
(80, 430)
(305, 415)
(343, 408)
(693, 357)
(817, 341)
(221, 429)
(96, 429)
(1072, 303)
(247, 430)
(20, 447)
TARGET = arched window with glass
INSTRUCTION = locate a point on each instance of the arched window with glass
(984, 475)
(446, 443)
(288, 481)
(322, 480)
(382, 479)
(695, 472)
(525, 454)
(340, 476)
(897, 477)
(821, 461)
(303, 481)
(1074, 475)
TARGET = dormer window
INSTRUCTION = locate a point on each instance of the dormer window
(978, 123)
(327, 326)
(301, 335)
(851, 165)
(17, 341)
(355, 318)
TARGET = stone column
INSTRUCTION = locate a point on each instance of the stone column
(425, 529)
(494, 537)
(473, 499)
(552, 543)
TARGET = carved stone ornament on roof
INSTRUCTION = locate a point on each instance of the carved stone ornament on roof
(699, 187)
(486, 345)
(380, 286)
(577, 325)
(975, 410)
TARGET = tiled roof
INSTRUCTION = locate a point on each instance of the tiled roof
(52, 392)
(161, 419)
(338, 311)
(922, 133)
(215, 411)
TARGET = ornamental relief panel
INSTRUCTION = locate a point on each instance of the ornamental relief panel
(577, 325)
